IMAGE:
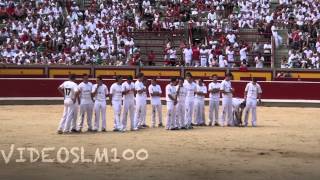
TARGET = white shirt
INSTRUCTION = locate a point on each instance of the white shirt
(85, 93)
(226, 86)
(170, 90)
(203, 54)
(190, 88)
(155, 100)
(236, 103)
(187, 54)
(116, 92)
(243, 53)
(202, 89)
(143, 96)
(182, 94)
(253, 90)
(102, 92)
(259, 62)
(125, 87)
(214, 96)
(70, 89)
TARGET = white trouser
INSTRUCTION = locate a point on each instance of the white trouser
(251, 104)
(156, 109)
(75, 117)
(140, 113)
(99, 108)
(213, 109)
(86, 109)
(180, 114)
(189, 111)
(67, 117)
(226, 117)
(128, 108)
(170, 115)
(116, 105)
(203, 62)
(199, 115)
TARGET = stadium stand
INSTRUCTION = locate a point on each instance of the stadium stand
(227, 33)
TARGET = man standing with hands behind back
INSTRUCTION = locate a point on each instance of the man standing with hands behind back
(252, 93)
(214, 94)
(227, 94)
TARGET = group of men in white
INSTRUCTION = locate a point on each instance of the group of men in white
(185, 101)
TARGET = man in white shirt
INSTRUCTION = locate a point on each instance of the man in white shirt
(116, 101)
(172, 56)
(171, 99)
(181, 104)
(191, 88)
(259, 60)
(243, 55)
(187, 56)
(69, 89)
(128, 89)
(155, 94)
(252, 93)
(199, 114)
(203, 57)
(86, 102)
(141, 102)
(214, 95)
(230, 55)
(100, 93)
(227, 93)
(237, 108)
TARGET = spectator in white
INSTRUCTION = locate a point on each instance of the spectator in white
(212, 15)
(315, 61)
(231, 37)
(146, 4)
(203, 56)
(259, 60)
(187, 52)
(172, 56)
(230, 55)
(222, 61)
(276, 36)
(308, 53)
(243, 55)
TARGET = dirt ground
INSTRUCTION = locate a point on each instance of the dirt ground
(286, 145)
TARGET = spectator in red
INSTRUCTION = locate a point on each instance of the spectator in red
(195, 55)
(151, 58)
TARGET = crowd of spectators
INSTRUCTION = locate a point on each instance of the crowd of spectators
(60, 32)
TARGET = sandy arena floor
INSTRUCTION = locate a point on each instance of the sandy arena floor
(286, 145)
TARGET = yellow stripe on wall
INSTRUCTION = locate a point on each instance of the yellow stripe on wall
(238, 75)
(206, 73)
(61, 72)
(160, 73)
(108, 72)
(305, 75)
(21, 72)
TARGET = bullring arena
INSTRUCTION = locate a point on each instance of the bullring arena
(48, 47)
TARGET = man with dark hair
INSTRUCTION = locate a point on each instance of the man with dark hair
(214, 95)
(100, 93)
(128, 102)
(171, 99)
(86, 102)
(252, 93)
(141, 101)
(181, 104)
(227, 94)
(116, 101)
(190, 88)
(155, 94)
(70, 92)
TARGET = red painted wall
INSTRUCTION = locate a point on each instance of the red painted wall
(271, 90)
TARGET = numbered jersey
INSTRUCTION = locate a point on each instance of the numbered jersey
(70, 89)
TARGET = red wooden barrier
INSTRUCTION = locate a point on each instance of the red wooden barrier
(271, 90)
